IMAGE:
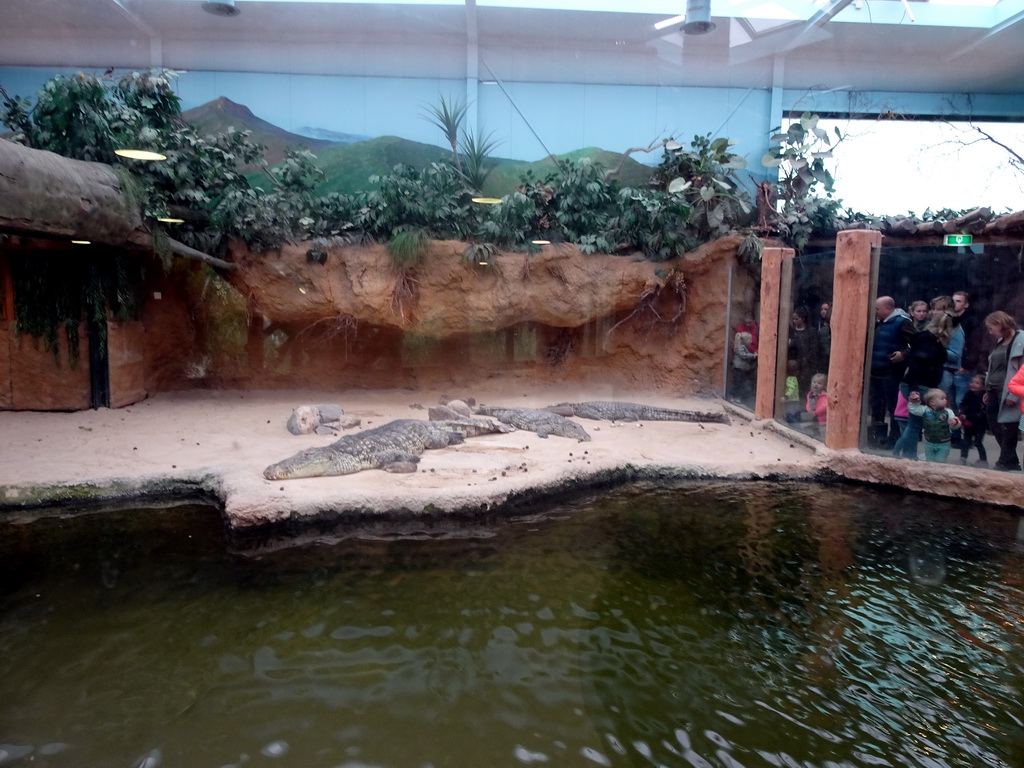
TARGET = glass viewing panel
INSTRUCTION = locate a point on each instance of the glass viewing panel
(918, 279)
(805, 342)
(743, 335)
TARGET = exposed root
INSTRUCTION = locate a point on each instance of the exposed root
(329, 328)
(674, 286)
(406, 289)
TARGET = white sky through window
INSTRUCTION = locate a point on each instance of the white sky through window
(889, 167)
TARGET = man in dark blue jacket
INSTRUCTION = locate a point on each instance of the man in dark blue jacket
(893, 329)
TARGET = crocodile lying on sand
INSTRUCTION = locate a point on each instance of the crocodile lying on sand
(613, 410)
(396, 444)
(542, 422)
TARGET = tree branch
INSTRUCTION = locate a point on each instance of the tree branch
(1016, 156)
(181, 249)
(615, 171)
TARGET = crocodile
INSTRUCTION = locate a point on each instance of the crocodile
(542, 422)
(613, 410)
(398, 442)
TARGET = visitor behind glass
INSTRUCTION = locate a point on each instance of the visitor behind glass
(1003, 407)
(926, 359)
(893, 329)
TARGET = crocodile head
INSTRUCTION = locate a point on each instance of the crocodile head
(313, 462)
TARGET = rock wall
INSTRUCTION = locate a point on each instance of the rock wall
(284, 320)
(555, 316)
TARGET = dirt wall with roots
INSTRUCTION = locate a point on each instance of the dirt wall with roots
(557, 315)
(331, 316)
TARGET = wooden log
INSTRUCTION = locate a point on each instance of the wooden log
(976, 215)
(43, 194)
(851, 293)
(904, 227)
(1007, 223)
(768, 340)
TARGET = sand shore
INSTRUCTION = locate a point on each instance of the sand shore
(219, 442)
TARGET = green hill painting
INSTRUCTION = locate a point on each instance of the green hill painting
(348, 166)
(219, 115)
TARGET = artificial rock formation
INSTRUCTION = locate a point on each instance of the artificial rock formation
(555, 315)
(43, 194)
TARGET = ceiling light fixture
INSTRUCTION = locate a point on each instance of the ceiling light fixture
(139, 154)
(221, 7)
(698, 17)
(665, 23)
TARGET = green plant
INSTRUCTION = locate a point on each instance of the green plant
(435, 200)
(749, 251)
(65, 290)
(654, 222)
(72, 116)
(480, 254)
(510, 222)
(584, 204)
(800, 156)
(86, 117)
(449, 116)
(476, 153)
(408, 248)
(705, 175)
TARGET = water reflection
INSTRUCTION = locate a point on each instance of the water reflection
(928, 563)
(698, 625)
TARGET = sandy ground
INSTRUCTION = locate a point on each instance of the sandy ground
(222, 441)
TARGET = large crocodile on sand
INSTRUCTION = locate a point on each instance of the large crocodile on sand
(613, 410)
(542, 422)
(398, 442)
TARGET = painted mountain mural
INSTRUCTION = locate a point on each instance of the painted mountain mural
(220, 114)
(349, 162)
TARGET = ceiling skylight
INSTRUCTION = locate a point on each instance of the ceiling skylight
(973, 14)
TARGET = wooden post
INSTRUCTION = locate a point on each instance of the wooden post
(852, 309)
(6, 289)
(768, 339)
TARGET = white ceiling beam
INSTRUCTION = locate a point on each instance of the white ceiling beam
(1000, 27)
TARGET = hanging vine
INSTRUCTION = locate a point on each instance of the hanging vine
(65, 290)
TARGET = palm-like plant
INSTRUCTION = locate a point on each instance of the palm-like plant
(477, 156)
(449, 116)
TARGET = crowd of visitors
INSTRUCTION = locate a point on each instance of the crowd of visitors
(939, 375)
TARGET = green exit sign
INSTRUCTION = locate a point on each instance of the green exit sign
(959, 239)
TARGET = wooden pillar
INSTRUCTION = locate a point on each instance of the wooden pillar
(768, 340)
(6, 289)
(852, 310)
